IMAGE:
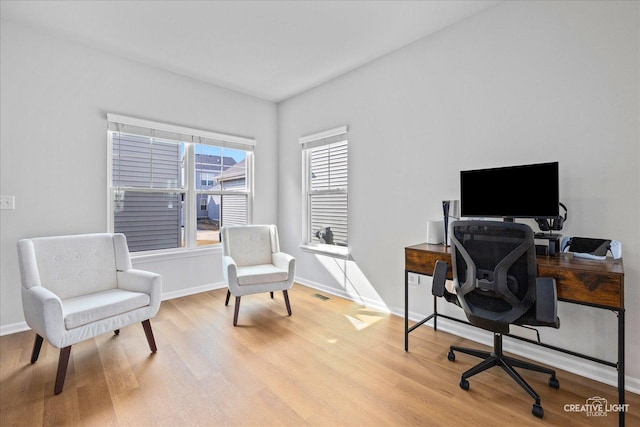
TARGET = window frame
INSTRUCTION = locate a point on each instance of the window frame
(308, 143)
(190, 138)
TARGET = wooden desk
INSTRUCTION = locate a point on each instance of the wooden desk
(579, 281)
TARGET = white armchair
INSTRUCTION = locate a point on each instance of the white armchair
(78, 287)
(252, 263)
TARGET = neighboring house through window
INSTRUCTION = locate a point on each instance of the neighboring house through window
(206, 179)
(167, 183)
(325, 162)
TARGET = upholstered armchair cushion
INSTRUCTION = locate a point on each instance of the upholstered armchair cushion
(263, 273)
(90, 308)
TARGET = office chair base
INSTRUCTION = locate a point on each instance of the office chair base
(498, 358)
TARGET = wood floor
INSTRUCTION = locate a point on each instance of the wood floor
(332, 363)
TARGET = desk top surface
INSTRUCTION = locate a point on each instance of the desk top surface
(563, 260)
(585, 281)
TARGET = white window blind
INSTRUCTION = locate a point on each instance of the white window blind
(326, 165)
(174, 187)
(147, 191)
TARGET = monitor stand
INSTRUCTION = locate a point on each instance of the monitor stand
(550, 244)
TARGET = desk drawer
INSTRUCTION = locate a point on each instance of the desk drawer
(596, 288)
(423, 262)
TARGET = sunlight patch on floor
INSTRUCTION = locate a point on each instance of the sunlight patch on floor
(361, 321)
(349, 276)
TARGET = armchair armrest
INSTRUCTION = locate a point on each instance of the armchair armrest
(230, 270)
(284, 262)
(43, 312)
(142, 281)
(547, 301)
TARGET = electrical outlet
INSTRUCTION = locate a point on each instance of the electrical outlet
(7, 202)
(414, 279)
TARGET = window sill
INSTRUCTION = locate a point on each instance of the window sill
(341, 252)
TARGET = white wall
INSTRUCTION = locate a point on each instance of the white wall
(54, 100)
(523, 82)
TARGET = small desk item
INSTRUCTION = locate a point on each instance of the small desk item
(595, 283)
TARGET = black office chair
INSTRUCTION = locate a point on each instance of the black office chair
(496, 284)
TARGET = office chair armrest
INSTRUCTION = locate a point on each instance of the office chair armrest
(547, 301)
(439, 279)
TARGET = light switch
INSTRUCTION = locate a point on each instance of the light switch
(8, 202)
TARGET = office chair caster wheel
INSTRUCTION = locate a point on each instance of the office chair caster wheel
(537, 410)
(464, 384)
(554, 383)
(451, 356)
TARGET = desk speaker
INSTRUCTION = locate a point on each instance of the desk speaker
(435, 232)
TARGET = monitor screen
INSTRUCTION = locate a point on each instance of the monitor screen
(525, 191)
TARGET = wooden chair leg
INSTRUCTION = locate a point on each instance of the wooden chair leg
(226, 302)
(235, 313)
(37, 345)
(63, 362)
(146, 324)
(286, 301)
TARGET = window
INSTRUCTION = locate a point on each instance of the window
(207, 179)
(173, 187)
(325, 173)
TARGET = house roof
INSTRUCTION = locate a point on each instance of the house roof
(239, 170)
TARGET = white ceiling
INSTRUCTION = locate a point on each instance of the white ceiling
(269, 49)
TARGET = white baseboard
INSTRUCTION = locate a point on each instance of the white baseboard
(13, 328)
(344, 294)
(191, 291)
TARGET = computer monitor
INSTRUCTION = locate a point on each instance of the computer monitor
(524, 191)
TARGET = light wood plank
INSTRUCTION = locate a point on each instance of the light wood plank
(332, 362)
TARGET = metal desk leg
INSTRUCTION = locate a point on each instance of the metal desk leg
(622, 409)
(406, 310)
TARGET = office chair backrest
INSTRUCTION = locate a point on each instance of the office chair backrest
(494, 267)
